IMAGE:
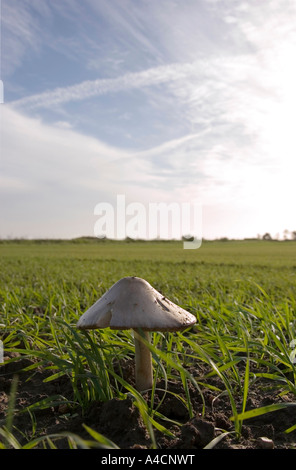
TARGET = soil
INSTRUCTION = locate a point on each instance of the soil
(120, 421)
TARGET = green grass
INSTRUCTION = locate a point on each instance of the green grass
(242, 293)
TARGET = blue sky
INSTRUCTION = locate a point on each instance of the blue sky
(168, 101)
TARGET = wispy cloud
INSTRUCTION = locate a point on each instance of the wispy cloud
(91, 88)
(60, 175)
(206, 90)
(21, 31)
(56, 156)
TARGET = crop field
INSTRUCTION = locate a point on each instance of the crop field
(228, 382)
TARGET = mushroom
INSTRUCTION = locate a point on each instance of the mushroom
(133, 303)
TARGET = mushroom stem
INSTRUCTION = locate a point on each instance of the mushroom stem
(143, 361)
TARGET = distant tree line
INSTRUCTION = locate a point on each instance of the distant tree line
(287, 235)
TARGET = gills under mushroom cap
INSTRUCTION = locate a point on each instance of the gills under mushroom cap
(133, 303)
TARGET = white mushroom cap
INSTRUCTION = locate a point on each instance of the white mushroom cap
(133, 303)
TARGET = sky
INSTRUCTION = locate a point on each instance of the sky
(160, 102)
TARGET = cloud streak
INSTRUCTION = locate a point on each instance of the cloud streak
(91, 88)
(202, 93)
